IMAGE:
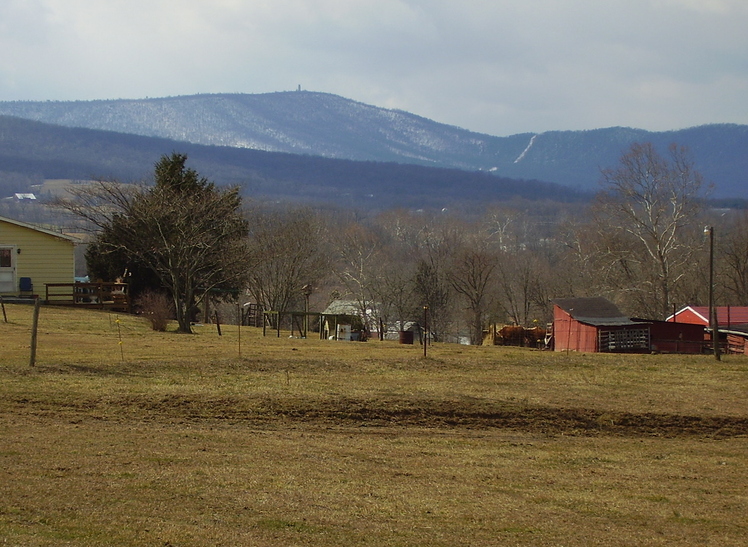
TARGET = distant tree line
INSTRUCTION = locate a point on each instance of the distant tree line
(640, 243)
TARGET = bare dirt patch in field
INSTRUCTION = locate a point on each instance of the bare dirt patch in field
(396, 412)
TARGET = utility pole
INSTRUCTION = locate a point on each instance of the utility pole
(306, 290)
(709, 230)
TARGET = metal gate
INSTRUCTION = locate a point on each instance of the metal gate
(627, 339)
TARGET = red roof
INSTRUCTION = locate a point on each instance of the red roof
(726, 315)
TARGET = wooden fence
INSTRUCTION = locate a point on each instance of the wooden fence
(110, 296)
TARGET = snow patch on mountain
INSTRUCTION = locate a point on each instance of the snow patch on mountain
(526, 150)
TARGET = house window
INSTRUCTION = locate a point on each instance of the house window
(5, 258)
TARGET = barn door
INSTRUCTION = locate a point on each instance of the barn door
(7, 270)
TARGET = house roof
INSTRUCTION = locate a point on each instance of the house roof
(342, 307)
(733, 316)
(52, 233)
(594, 311)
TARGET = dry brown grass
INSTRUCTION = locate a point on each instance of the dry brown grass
(167, 439)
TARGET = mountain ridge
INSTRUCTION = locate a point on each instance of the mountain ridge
(32, 151)
(326, 125)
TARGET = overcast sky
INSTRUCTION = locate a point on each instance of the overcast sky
(495, 66)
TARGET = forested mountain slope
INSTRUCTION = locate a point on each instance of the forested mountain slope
(32, 151)
(321, 124)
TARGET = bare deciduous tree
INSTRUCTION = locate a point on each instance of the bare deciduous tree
(471, 275)
(394, 288)
(643, 216)
(733, 252)
(437, 243)
(359, 250)
(288, 251)
(517, 280)
(432, 286)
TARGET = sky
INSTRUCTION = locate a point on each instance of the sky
(500, 67)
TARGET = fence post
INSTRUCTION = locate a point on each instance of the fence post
(34, 330)
(425, 329)
(218, 323)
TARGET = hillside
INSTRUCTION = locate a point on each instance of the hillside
(303, 122)
(719, 151)
(32, 151)
(321, 124)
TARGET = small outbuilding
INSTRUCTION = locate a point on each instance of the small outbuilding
(343, 319)
(32, 257)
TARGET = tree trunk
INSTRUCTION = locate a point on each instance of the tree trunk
(477, 334)
(182, 310)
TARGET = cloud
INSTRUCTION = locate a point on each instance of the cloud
(494, 66)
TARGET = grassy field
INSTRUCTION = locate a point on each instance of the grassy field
(123, 436)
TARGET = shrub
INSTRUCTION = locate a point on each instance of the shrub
(157, 308)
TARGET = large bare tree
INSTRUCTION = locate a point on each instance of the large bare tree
(358, 266)
(472, 274)
(733, 258)
(437, 242)
(646, 220)
(522, 280)
(288, 253)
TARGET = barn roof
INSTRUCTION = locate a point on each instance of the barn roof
(733, 316)
(594, 311)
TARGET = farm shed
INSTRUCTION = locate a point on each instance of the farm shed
(346, 314)
(732, 323)
(596, 325)
(31, 257)
(675, 337)
(734, 341)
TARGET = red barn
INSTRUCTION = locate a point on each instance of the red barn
(728, 317)
(732, 324)
(672, 337)
(596, 325)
